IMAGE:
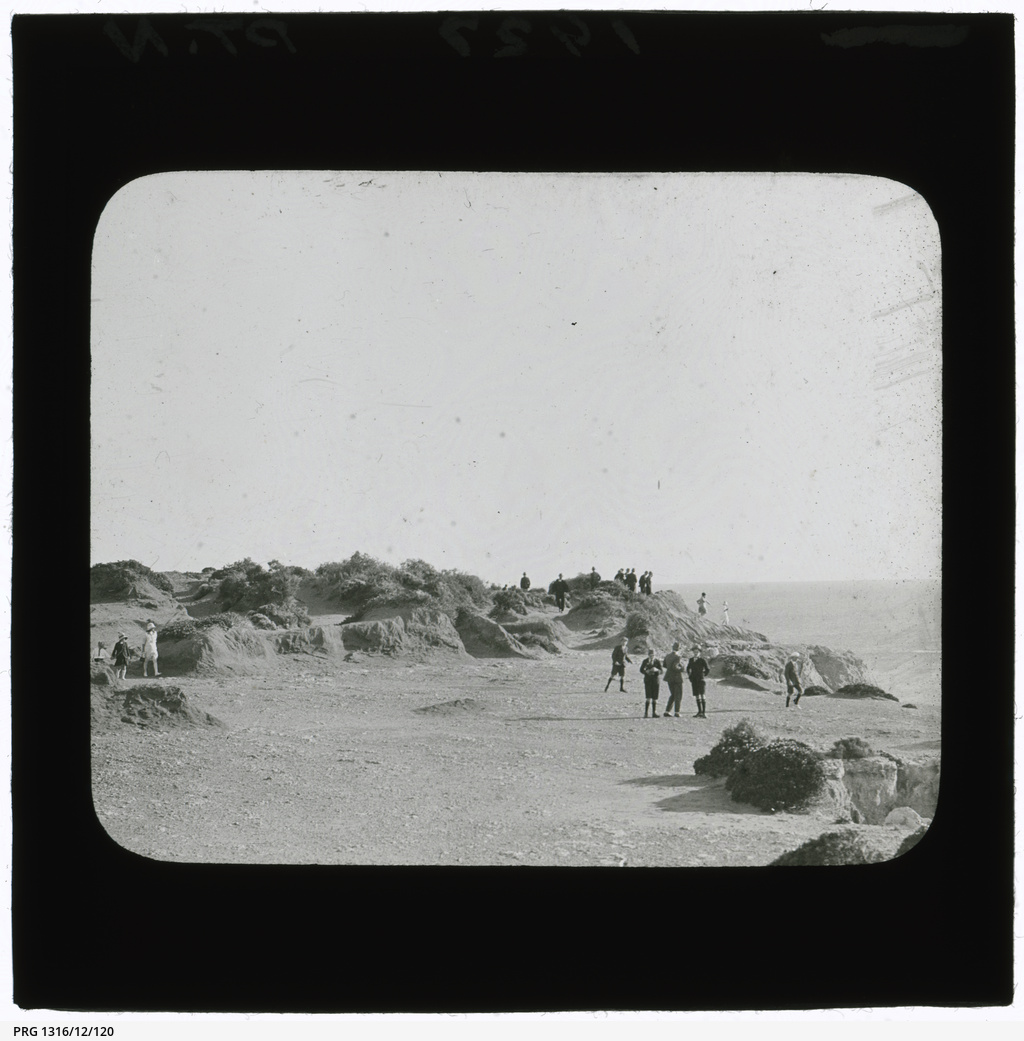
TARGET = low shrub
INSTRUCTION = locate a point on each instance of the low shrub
(366, 582)
(117, 579)
(850, 748)
(830, 850)
(179, 629)
(735, 744)
(638, 623)
(781, 775)
(223, 620)
(509, 601)
(186, 628)
(261, 621)
(814, 691)
(864, 690)
(580, 585)
(246, 585)
(280, 616)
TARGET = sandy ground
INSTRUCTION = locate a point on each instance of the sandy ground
(460, 762)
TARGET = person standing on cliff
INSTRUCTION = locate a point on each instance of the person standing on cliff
(619, 658)
(594, 578)
(725, 612)
(631, 580)
(674, 679)
(702, 605)
(697, 668)
(524, 583)
(791, 674)
(651, 668)
(560, 587)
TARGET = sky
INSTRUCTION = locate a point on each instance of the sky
(717, 377)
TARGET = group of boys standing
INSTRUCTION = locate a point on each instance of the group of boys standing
(673, 669)
(628, 576)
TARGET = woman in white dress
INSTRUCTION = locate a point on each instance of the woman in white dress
(149, 653)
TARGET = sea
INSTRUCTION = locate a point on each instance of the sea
(895, 628)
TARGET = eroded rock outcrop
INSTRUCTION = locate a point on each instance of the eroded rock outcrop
(160, 705)
(836, 668)
(880, 784)
(484, 638)
(238, 651)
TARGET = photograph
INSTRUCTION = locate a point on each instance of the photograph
(411, 492)
(439, 404)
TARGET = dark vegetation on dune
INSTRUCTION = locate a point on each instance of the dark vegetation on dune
(246, 585)
(781, 774)
(863, 690)
(850, 748)
(364, 583)
(266, 595)
(735, 744)
(831, 850)
(814, 691)
(124, 579)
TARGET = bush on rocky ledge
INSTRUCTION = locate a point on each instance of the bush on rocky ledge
(850, 748)
(735, 744)
(830, 850)
(782, 775)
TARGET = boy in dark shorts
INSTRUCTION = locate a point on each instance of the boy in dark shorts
(619, 659)
(651, 668)
(697, 668)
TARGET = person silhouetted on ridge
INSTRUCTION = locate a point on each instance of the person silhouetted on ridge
(631, 580)
(524, 583)
(560, 587)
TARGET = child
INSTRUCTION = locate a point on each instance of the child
(651, 668)
(697, 668)
(619, 658)
(122, 656)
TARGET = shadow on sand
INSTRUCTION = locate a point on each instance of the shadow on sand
(702, 796)
(570, 719)
(712, 798)
(669, 781)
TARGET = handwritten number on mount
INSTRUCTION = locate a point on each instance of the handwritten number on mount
(512, 33)
(260, 32)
